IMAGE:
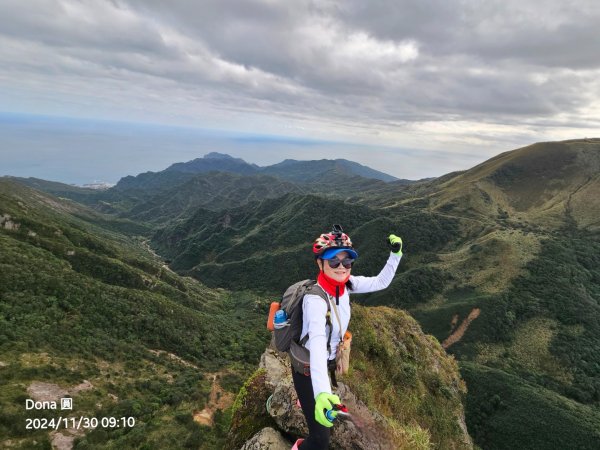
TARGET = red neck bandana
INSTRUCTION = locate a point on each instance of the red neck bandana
(329, 284)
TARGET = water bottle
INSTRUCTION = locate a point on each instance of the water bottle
(280, 319)
(342, 413)
(329, 415)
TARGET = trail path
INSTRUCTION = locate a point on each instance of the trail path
(460, 331)
(218, 399)
(146, 245)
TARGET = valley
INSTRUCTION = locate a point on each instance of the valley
(501, 266)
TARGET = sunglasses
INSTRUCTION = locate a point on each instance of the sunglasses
(335, 263)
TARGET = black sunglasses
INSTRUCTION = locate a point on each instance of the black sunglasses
(335, 263)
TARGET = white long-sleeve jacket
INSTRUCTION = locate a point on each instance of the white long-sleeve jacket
(314, 310)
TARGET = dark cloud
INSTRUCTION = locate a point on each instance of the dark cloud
(489, 58)
(377, 67)
(549, 33)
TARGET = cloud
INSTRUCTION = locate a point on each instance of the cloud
(549, 33)
(383, 71)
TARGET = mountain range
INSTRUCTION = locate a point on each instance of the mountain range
(290, 170)
(500, 265)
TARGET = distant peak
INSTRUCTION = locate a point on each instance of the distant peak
(217, 155)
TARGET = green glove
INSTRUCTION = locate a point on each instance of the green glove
(395, 244)
(323, 402)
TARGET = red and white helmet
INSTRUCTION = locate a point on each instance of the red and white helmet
(335, 238)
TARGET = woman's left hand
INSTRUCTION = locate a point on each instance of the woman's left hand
(395, 244)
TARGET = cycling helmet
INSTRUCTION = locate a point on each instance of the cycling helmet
(335, 239)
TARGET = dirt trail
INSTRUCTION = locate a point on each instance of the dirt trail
(218, 399)
(146, 245)
(174, 357)
(460, 331)
(453, 323)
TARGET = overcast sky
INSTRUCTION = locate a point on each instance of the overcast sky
(413, 88)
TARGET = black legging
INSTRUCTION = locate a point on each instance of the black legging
(318, 435)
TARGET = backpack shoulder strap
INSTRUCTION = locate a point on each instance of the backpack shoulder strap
(315, 289)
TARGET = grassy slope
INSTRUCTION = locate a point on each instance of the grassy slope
(505, 412)
(534, 184)
(78, 305)
(405, 375)
(529, 263)
(211, 191)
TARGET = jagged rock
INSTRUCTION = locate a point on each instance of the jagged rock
(403, 391)
(283, 409)
(249, 412)
(276, 366)
(64, 439)
(267, 439)
(369, 432)
(41, 391)
(282, 405)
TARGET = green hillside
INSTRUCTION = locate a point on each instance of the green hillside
(543, 184)
(82, 305)
(404, 374)
(214, 191)
(499, 402)
(79, 194)
(316, 171)
(236, 247)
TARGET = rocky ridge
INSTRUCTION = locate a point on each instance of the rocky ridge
(266, 414)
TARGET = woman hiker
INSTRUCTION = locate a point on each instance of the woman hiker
(322, 333)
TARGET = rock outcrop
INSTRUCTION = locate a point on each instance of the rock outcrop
(267, 439)
(403, 391)
(367, 431)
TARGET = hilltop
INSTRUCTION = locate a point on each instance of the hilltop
(302, 172)
(545, 183)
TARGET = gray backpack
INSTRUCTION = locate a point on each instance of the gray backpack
(287, 338)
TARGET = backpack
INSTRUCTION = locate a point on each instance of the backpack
(291, 303)
(287, 338)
